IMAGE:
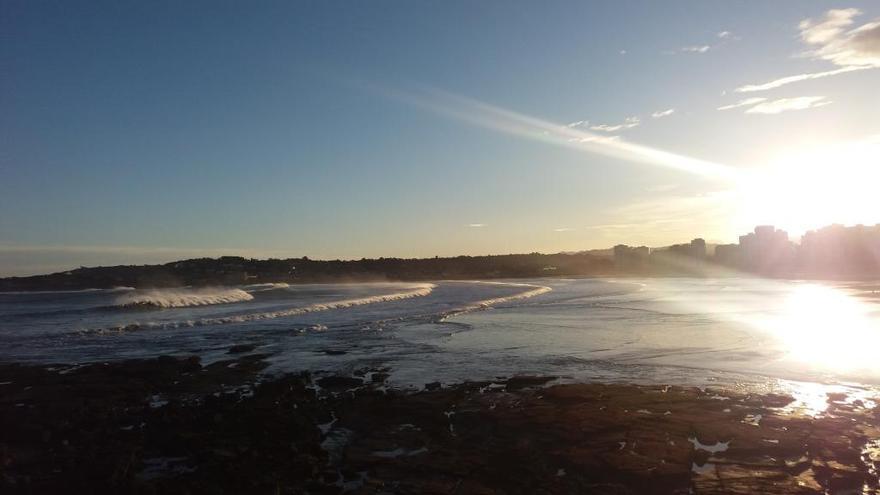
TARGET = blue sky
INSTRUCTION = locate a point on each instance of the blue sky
(144, 132)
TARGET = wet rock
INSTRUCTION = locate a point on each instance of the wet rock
(241, 348)
(339, 383)
(468, 438)
(521, 382)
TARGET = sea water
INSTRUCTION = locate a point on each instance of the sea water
(732, 332)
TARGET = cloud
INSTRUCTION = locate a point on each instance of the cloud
(578, 123)
(663, 113)
(476, 225)
(563, 229)
(830, 38)
(623, 52)
(743, 103)
(782, 81)
(829, 28)
(763, 106)
(593, 139)
(787, 104)
(695, 49)
(499, 119)
(628, 123)
(725, 34)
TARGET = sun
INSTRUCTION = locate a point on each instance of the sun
(815, 187)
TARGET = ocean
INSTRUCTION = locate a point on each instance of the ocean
(765, 335)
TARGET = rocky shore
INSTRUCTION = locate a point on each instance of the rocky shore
(172, 425)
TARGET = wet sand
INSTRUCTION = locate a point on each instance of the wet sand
(171, 425)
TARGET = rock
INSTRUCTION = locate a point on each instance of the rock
(241, 348)
(339, 383)
(521, 382)
(334, 352)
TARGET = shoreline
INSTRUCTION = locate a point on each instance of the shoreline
(172, 425)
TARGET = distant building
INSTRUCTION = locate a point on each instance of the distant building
(698, 248)
(767, 250)
(841, 252)
(727, 254)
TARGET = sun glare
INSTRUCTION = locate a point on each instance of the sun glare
(828, 326)
(832, 184)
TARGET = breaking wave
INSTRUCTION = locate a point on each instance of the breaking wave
(535, 290)
(181, 298)
(419, 290)
(265, 287)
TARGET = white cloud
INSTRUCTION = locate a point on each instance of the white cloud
(829, 28)
(725, 34)
(743, 103)
(578, 123)
(476, 225)
(594, 139)
(695, 49)
(663, 113)
(787, 104)
(507, 121)
(623, 52)
(830, 38)
(563, 229)
(749, 88)
(628, 123)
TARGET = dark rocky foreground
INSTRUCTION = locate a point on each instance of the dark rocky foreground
(174, 426)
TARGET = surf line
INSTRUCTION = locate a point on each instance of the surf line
(417, 290)
(534, 290)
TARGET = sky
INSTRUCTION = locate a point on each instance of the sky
(142, 132)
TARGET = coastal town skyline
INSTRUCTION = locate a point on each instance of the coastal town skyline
(831, 252)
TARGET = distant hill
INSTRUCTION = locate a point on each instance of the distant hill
(233, 270)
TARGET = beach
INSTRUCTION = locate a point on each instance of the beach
(547, 385)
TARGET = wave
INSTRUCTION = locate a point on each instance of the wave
(419, 290)
(181, 298)
(535, 290)
(265, 287)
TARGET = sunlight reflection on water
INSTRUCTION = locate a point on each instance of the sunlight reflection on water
(825, 326)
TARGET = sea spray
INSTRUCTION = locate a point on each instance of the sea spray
(419, 290)
(181, 298)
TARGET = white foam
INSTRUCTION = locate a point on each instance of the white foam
(753, 419)
(265, 287)
(182, 297)
(536, 290)
(418, 290)
(718, 447)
